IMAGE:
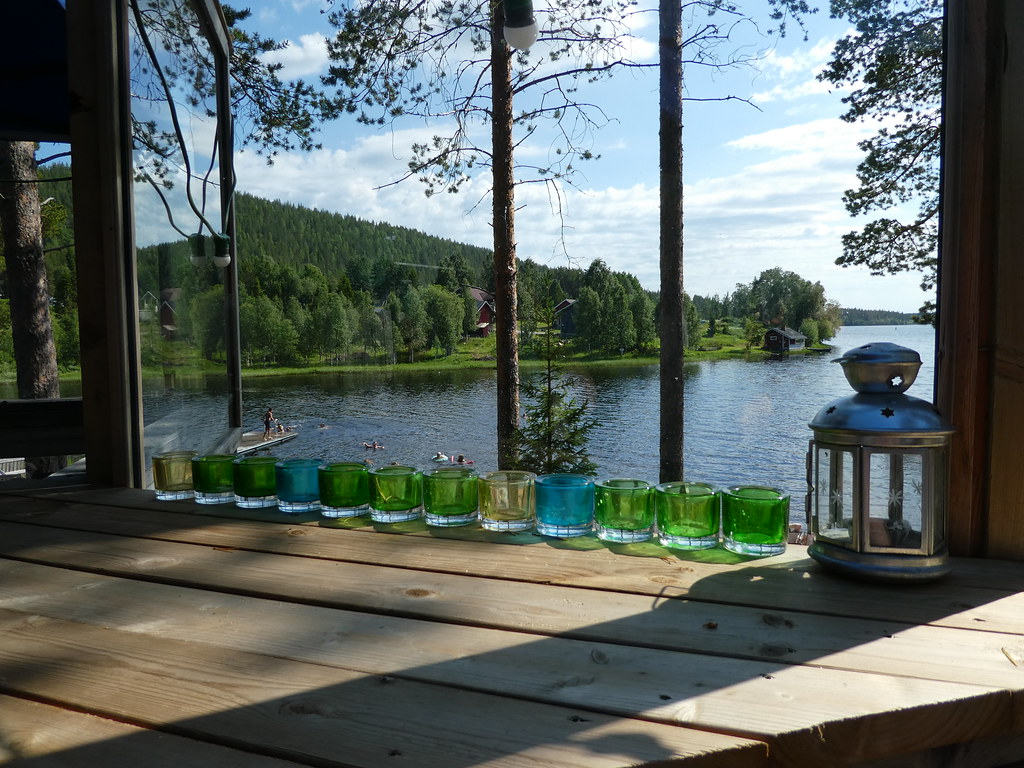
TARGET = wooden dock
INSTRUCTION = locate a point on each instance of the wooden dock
(169, 634)
(253, 442)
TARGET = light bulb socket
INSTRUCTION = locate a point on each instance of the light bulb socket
(197, 249)
(221, 250)
(520, 24)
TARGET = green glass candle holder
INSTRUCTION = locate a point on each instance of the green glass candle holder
(396, 494)
(623, 510)
(687, 515)
(755, 520)
(255, 482)
(213, 476)
(344, 489)
(450, 496)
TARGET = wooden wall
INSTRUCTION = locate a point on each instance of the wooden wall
(981, 279)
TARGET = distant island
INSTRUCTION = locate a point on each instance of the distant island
(876, 317)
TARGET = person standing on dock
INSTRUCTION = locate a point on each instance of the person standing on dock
(268, 423)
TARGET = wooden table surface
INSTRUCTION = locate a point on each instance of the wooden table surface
(136, 632)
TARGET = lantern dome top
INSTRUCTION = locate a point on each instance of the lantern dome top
(880, 368)
(866, 413)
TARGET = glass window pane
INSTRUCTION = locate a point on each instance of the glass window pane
(177, 196)
(834, 487)
(896, 482)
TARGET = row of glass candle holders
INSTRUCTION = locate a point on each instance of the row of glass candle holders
(751, 520)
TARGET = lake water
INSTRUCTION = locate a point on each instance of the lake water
(745, 422)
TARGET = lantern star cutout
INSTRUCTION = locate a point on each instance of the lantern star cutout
(888, 413)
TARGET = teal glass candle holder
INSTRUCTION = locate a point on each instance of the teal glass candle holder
(396, 494)
(508, 500)
(344, 489)
(450, 496)
(687, 515)
(172, 475)
(623, 510)
(755, 520)
(565, 505)
(255, 482)
(213, 475)
(298, 485)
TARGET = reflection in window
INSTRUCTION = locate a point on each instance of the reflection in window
(178, 218)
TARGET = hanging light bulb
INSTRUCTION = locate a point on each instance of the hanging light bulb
(197, 248)
(221, 250)
(520, 25)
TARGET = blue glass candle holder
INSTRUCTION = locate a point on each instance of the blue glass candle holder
(298, 485)
(565, 505)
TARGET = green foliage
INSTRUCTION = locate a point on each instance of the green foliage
(374, 257)
(692, 320)
(809, 328)
(753, 334)
(445, 312)
(555, 427)
(853, 316)
(893, 62)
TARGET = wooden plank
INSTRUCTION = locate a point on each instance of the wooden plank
(793, 708)
(987, 573)
(52, 737)
(788, 583)
(318, 713)
(928, 652)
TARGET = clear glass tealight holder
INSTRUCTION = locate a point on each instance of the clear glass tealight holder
(172, 475)
(508, 500)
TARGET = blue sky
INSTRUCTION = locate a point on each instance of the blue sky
(763, 186)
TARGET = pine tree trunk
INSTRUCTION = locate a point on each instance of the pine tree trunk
(20, 218)
(672, 325)
(503, 205)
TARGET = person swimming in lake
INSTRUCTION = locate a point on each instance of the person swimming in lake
(374, 446)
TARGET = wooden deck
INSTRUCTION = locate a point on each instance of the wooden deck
(136, 632)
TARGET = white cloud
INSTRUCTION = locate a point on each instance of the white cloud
(782, 209)
(302, 59)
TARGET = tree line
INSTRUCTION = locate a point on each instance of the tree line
(317, 287)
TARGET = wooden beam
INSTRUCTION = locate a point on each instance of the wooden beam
(42, 427)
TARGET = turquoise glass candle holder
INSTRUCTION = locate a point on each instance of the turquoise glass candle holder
(298, 485)
(565, 505)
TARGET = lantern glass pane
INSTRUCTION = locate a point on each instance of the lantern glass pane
(833, 504)
(896, 485)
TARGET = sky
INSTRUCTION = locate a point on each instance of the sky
(763, 177)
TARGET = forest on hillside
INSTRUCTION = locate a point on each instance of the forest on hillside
(321, 287)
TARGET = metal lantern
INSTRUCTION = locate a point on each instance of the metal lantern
(876, 473)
